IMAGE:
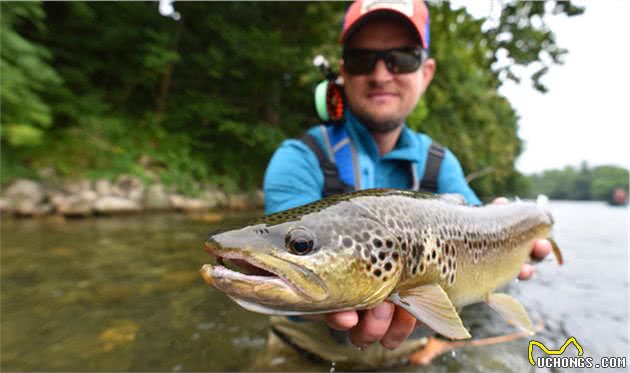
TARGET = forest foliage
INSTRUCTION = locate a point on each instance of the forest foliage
(96, 89)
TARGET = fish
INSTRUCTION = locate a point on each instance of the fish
(429, 254)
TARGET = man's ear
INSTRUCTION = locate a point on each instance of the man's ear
(428, 70)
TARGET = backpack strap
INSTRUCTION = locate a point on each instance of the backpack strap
(429, 181)
(332, 183)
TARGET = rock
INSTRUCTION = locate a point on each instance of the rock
(115, 205)
(188, 204)
(129, 187)
(75, 205)
(238, 201)
(23, 189)
(103, 187)
(214, 196)
(28, 208)
(156, 198)
(259, 199)
(77, 186)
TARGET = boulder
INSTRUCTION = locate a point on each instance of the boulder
(188, 204)
(79, 205)
(110, 205)
(129, 187)
(156, 198)
(23, 189)
(103, 187)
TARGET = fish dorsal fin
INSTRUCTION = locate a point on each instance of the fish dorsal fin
(454, 198)
(431, 305)
(511, 310)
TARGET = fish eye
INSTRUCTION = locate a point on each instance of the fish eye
(300, 241)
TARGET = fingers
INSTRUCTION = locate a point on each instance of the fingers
(373, 325)
(527, 271)
(500, 201)
(400, 329)
(342, 320)
(541, 249)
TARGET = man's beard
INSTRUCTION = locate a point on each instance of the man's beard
(379, 127)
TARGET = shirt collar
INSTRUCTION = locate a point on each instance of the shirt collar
(407, 148)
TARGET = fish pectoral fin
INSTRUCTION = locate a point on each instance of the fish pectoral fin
(431, 305)
(511, 310)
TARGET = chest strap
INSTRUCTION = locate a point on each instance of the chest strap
(332, 183)
(429, 181)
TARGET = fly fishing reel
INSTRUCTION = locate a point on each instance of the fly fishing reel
(329, 95)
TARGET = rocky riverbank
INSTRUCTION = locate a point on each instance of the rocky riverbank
(125, 195)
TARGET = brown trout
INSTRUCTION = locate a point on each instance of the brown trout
(423, 252)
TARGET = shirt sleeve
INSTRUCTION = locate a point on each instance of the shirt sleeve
(451, 179)
(293, 177)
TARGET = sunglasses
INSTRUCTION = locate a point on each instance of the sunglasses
(397, 60)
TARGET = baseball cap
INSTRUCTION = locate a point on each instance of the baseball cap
(414, 11)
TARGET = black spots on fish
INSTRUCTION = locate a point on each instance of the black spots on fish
(382, 255)
(404, 246)
(389, 244)
(413, 270)
(365, 236)
(450, 263)
(373, 259)
(421, 267)
(421, 249)
(388, 266)
(368, 267)
(377, 243)
(384, 278)
(377, 272)
(347, 242)
(433, 254)
(451, 279)
(444, 269)
(438, 243)
(395, 256)
(366, 253)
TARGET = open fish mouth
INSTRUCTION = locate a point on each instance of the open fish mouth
(242, 276)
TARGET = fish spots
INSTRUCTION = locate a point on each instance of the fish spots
(377, 243)
(347, 242)
(377, 272)
(388, 266)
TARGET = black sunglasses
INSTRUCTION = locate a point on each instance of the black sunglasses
(397, 60)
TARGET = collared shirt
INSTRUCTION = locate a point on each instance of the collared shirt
(294, 178)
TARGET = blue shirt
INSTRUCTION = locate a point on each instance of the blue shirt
(294, 178)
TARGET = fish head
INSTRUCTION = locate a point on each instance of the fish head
(306, 260)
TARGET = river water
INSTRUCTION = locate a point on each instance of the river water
(123, 294)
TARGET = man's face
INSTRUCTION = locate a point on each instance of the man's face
(380, 99)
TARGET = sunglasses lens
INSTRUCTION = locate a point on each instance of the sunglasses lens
(398, 61)
(403, 61)
(359, 61)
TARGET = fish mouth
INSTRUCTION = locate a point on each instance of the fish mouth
(244, 277)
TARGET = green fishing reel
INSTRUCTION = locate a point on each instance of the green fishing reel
(329, 95)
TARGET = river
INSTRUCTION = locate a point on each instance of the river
(124, 294)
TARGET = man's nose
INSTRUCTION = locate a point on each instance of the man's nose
(380, 72)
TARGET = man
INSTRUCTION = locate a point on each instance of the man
(385, 70)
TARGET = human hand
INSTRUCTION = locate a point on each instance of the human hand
(386, 323)
(541, 249)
